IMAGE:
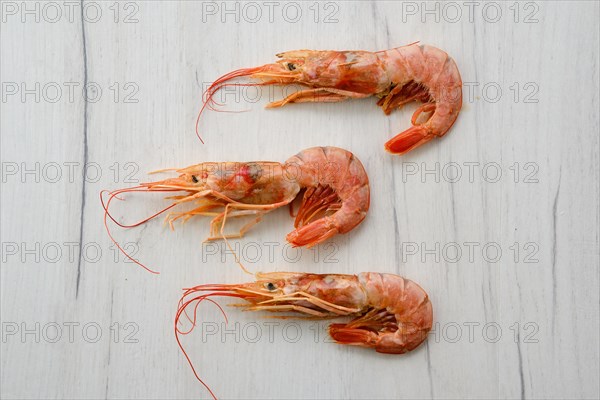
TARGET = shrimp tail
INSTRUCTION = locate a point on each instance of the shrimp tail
(314, 233)
(352, 336)
(408, 140)
(400, 342)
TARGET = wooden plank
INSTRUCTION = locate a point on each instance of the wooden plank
(510, 261)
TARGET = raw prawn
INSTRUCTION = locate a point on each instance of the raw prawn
(391, 314)
(397, 76)
(336, 193)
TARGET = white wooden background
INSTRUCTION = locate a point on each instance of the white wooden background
(55, 301)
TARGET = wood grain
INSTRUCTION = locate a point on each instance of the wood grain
(522, 323)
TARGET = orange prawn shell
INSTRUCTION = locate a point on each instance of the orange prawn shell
(354, 71)
(402, 297)
(339, 289)
(253, 182)
(396, 76)
(392, 314)
(433, 68)
(341, 170)
(336, 197)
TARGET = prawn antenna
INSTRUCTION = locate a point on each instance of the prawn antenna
(183, 304)
(398, 47)
(208, 95)
(105, 205)
(237, 259)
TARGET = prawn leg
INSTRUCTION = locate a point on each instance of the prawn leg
(361, 331)
(288, 307)
(401, 95)
(186, 215)
(321, 95)
(303, 296)
(202, 210)
(240, 210)
(233, 214)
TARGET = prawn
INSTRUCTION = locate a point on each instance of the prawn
(391, 314)
(396, 77)
(335, 184)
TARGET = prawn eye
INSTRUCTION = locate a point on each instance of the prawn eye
(270, 286)
(194, 179)
(291, 66)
